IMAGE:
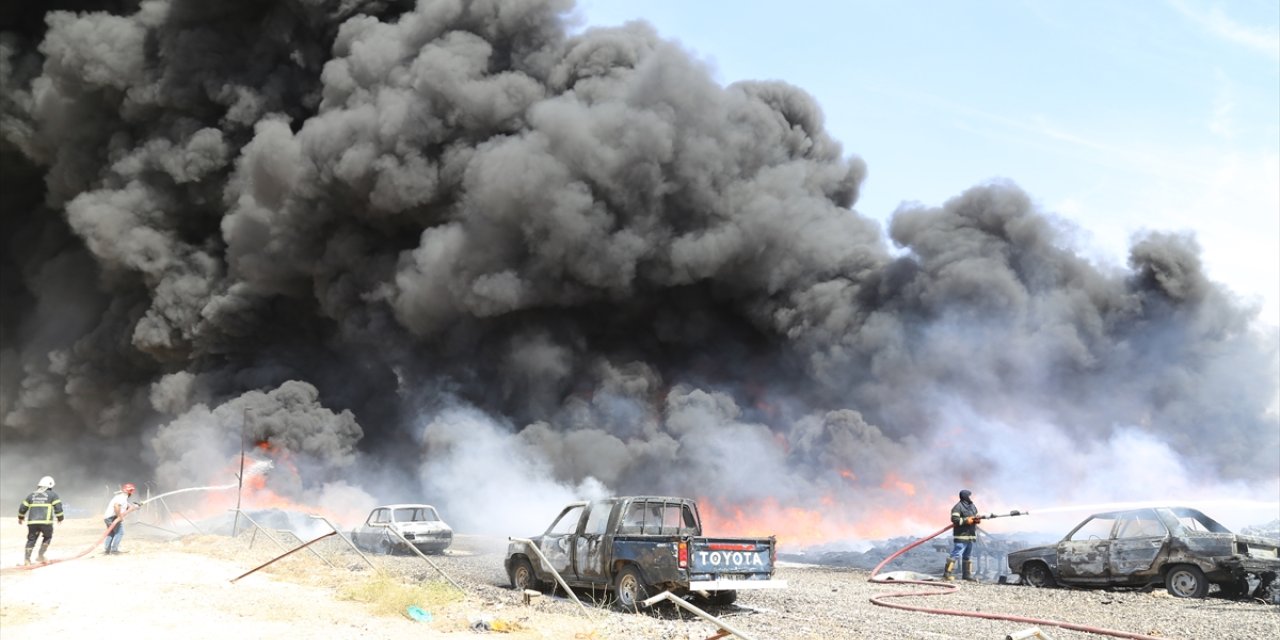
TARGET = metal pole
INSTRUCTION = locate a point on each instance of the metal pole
(680, 602)
(305, 545)
(235, 524)
(424, 557)
(267, 533)
(349, 543)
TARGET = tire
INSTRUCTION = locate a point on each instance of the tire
(1037, 574)
(522, 575)
(722, 598)
(1186, 581)
(630, 589)
(385, 547)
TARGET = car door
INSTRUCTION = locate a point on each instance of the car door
(557, 543)
(369, 534)
(1139, 538)
(1083, 554)
(589, 552)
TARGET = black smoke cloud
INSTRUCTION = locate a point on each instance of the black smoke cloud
(457, 251)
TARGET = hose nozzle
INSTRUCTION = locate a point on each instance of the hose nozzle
(1015, 512)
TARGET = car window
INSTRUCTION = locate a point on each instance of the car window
(1141, 524)
(415, 514)
(380, 516)
(671, 518)
(1098, 527)
(633, 520)
(690, 522)
(567, 522)
(1194, 521)
(598, 518)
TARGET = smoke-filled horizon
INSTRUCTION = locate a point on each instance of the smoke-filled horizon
(458, 252)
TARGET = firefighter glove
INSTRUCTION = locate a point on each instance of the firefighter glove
(59, 518)
(20, 519)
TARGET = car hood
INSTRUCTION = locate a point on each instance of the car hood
(1031, 552)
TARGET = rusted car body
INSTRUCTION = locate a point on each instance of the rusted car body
(1181, 548)
(420, 524)
(639, 546)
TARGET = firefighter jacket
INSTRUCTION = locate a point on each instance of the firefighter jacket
(960, 530)
(41, 507)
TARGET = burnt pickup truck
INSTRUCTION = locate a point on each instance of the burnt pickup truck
(639, 546)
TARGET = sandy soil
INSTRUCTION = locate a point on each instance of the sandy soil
(182, 588)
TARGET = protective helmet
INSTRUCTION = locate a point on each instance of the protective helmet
(128, 488)
(45, 482)
(965, 493)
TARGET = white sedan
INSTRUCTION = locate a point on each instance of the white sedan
(420, 524)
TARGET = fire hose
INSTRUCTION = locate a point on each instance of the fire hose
(133, 507)
(258, 468)
(951, 588)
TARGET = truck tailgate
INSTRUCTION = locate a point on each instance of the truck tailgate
(732, 563)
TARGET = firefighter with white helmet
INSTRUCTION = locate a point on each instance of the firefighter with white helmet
(39, 510)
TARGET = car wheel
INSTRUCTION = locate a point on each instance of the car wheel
(1037, 575)
(722, 598)
(1186, 581)
(630, 589)
(385, 547)
(522, 576)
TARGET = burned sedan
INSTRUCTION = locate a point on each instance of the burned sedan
(418, 524)
(1181, 548)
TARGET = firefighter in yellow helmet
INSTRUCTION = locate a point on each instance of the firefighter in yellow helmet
(39, 510)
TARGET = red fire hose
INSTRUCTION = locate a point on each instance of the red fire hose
(82, 554)
(949, 588)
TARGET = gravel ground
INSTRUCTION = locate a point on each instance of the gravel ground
(828, 602)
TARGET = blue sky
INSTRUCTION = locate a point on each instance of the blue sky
(1115, 116)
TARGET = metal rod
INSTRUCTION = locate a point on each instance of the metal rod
(529, 543)
(680, 602)
(313, 551)
(256, 528)
(304, 545)
(175, 533)
(266, 532)
(349, 543)
(235, 524)
(424, 557)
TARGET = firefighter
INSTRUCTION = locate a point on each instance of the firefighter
(39, 510)
(964, 533)
(116, 511)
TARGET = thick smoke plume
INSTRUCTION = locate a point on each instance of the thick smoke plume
(458, 251)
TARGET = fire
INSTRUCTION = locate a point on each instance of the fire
(252, 490)
(797, 527)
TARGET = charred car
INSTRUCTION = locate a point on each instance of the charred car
(419, 525)
(638, 546)
(1181, 548)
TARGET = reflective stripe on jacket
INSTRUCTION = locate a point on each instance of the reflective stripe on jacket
(41, 507)
(960, 530)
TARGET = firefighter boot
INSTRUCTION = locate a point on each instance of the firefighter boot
(43, 547)
(948, 573)
(26, 558)
(968, 571)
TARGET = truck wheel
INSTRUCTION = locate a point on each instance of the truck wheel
(522, 575)
(722, 598)
(630, 588)
(1186, 581)
(1037, 575)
